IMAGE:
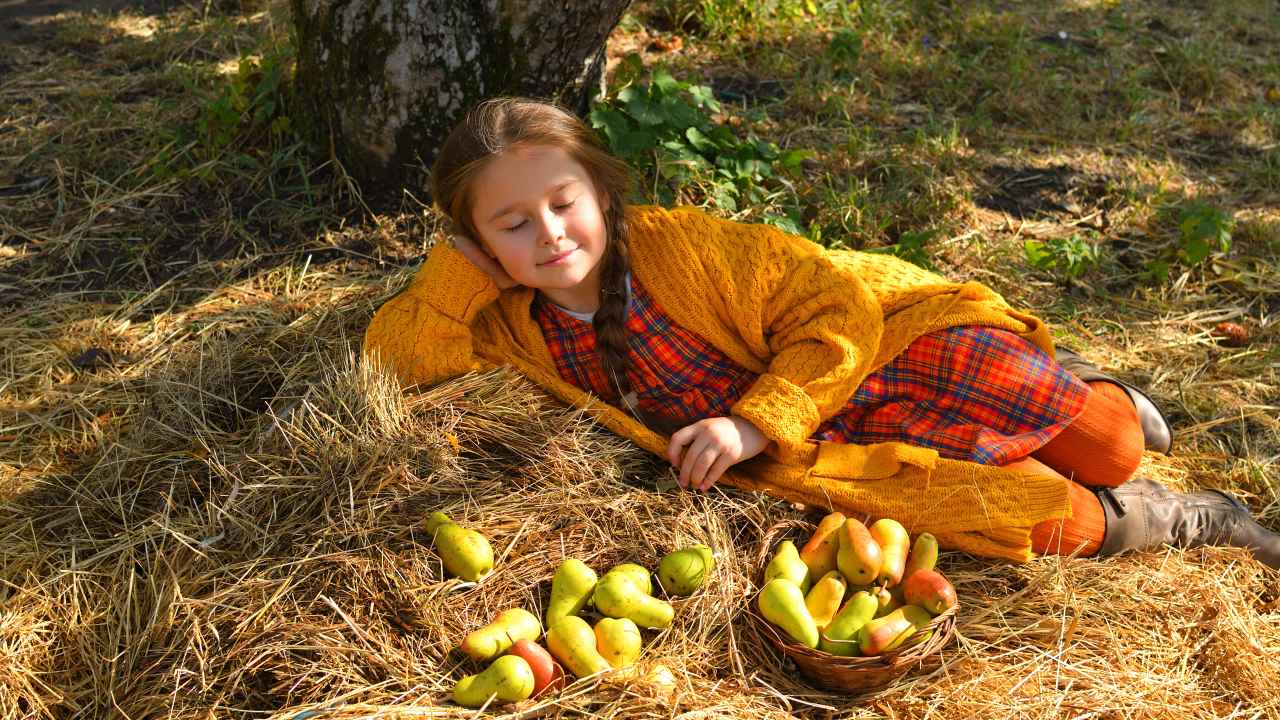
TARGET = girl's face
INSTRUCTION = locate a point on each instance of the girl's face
(537, 213)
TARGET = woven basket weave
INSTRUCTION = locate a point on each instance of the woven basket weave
(849, 674)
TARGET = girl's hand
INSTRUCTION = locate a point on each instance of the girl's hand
(713, 445)
(478, 257)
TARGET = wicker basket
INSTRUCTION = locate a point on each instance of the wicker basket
(849, 674)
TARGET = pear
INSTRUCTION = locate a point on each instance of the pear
(841, 636)
(618, 641)
(493, 639)
(887, 633)
(820, 552)
(618, 597)
(571, 640)
(823, 600)
(786, 563)
(508, 679)
(547, 673)
(638, 574)
(466, 553)
(859, 556)
(894, 544)
(683, 571)
(924, 555)
(782, 603)
(571, 586)
(930, 590)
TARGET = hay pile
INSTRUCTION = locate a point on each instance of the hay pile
(250, 541)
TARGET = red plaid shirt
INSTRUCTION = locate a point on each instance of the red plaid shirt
(971, 393)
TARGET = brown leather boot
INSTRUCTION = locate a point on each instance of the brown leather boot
(1143, 515)
(1157, 434)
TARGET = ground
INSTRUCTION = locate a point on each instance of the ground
(209, 508)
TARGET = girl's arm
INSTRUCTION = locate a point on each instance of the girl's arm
(423, 335)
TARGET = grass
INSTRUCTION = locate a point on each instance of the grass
(209, 509)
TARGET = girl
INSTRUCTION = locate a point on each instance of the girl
(846, 380)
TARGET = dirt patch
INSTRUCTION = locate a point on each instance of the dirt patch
(1055, 191)
(23, 21)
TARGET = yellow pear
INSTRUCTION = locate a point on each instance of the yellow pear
(786, 564)
(495, 638)
(823, 600)
(820, 552)
(840, 637)
(572, 641)
(894, 544)
(466, 553)
(571, 587)
(508, 679)
(683, 571)
(618, 597)
(782, 603)
(618, 641)
(638, 574)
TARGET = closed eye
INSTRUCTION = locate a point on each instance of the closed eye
(515, 227)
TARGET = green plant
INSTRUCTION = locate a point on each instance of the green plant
(844, 51)
(1203, 229)
(665, 130)
(911, 247)
(1069, 257)
(253, 105)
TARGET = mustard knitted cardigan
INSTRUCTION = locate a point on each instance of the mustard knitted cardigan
(811, 323)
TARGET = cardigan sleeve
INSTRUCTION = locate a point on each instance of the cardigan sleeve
(821, 326)
(424, 334)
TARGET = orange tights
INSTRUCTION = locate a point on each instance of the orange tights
(1101, 447)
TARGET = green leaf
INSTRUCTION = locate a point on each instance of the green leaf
(664, 82)
(699, 141)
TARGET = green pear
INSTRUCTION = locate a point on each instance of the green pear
(466, 553)
(493, 639)
(571, 587)
(782, 603)
(683, 571)
(618, 641)
(638, 574)
(618, 597)
(840, 637)
(786, 564)
(572, 641)
(508, 679)
(924, 555)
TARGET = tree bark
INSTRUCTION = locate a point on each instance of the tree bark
(387, 79)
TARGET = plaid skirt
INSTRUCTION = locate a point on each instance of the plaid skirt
(971, 393)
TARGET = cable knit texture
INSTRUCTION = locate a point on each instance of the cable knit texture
(812, 323)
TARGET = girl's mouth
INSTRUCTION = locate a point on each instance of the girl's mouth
(559, 259)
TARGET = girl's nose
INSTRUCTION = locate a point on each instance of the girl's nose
(551, 228)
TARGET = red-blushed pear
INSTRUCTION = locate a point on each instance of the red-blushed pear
(859, 557)
(548, 676)
(930, 590)
(820, 552)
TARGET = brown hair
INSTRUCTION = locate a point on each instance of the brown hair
(495, 126)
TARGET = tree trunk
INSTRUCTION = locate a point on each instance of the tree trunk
(388, 79)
